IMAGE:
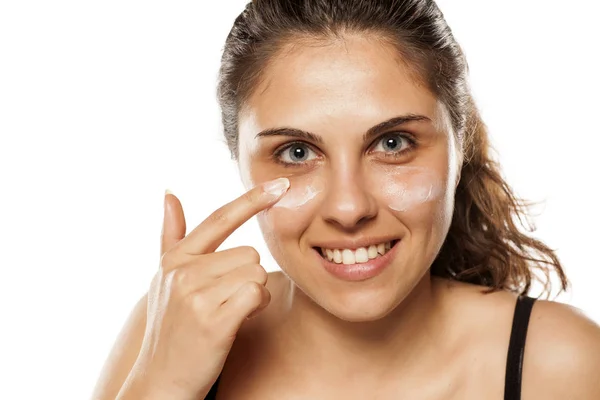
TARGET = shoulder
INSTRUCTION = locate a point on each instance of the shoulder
(562, 349)
(562, 353)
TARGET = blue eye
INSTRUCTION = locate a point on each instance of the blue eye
(395, 143)
(296, 153)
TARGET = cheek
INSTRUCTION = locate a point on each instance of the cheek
(405, 195)
(301, 196)
(296, 209)
(416, 194)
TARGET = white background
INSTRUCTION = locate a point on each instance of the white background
(103, 105)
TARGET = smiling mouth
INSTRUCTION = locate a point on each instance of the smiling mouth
(356, 256)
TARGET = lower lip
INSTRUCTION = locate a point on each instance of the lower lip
(358, 272)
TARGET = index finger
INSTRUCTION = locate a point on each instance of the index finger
(211, 232)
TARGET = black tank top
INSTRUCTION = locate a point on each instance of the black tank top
(514, 361)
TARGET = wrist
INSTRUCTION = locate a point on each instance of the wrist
(139, 386)
(135, 387)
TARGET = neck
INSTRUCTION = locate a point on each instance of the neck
(317, 338)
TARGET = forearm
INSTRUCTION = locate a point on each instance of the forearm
(140, 387)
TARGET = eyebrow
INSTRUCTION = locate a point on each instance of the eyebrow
(374, 131)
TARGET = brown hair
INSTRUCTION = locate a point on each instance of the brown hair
(484, 244)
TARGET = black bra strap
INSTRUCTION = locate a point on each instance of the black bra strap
(516, 348)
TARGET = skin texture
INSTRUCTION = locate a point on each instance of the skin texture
(403, 333)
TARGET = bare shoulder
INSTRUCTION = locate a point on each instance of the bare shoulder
(562, 351)
(562, 354)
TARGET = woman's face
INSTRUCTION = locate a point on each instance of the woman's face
(355, 182)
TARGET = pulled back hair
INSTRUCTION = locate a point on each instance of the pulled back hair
(484, 244)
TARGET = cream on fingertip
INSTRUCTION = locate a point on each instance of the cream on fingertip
(276, 187)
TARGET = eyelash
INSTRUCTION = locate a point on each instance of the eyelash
(395, 155)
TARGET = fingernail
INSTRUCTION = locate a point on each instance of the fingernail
(167, 191)
(276, 187)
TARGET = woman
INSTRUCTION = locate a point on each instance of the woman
(368, 169)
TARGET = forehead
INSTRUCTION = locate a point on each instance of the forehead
(350, 85)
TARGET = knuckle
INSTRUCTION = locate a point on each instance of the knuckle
(253, 292)
(167, 261)
(250, 254)
(179, 280)
(259, 273)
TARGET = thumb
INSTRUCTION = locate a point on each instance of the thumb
(173, 229)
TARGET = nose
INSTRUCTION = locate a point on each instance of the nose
(348, 203)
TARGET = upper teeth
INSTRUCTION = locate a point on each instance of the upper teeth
(360, 255)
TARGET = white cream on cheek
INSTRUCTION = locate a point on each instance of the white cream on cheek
(296, 210)
(406, 187)
(300, 194)
(402, 189)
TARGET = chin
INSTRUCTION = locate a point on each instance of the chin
(366, 304)
(363, 312)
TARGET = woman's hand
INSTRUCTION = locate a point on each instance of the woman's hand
(199, 298)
